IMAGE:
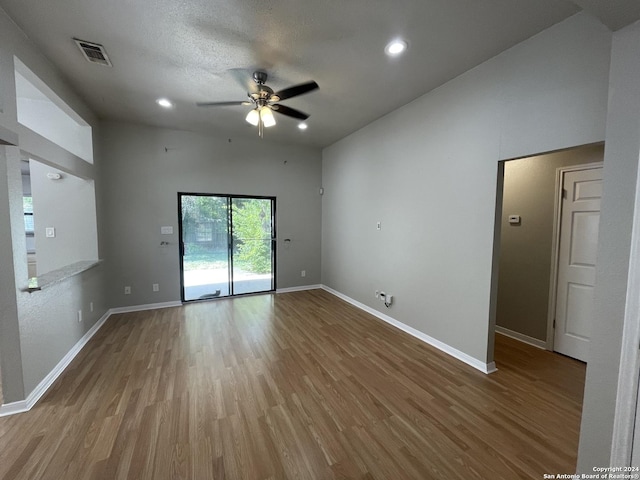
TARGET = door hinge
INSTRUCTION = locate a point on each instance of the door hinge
(554, 323)
(564, 193)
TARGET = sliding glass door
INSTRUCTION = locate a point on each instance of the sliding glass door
(253, 245)
(227, 245)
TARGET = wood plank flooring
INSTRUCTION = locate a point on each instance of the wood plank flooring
(292, 386)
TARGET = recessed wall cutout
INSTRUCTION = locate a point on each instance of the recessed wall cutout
(42, 111)
(59, 218)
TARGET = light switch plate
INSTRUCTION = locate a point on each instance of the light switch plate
(50, 232)
(166, 230)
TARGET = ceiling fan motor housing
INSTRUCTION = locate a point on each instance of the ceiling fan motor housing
(260, 77)
(264, 95)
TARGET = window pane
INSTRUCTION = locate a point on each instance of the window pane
(27, 207)
(27, 204)
(28, 223)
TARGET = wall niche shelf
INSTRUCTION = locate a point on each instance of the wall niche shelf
(56, 276)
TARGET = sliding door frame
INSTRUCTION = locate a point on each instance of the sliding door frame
(230, 244)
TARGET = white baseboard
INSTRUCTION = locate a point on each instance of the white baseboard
(13, 408)
(148, 306)
(26, 405)
(521, 337)
(298, 289)
(454, 352)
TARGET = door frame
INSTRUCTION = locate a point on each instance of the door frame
(229, 198)
(555, 245)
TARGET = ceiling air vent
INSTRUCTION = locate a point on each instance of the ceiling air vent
(93, 52)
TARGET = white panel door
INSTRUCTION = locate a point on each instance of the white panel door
(582, 191)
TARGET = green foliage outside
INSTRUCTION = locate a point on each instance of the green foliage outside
(197, 209)
(251, 227)
(252, 232)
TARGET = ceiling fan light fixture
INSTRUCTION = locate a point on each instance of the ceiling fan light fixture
(302, 126)
(253, 117)
(164, 102)
(395, 48)
(268, 120)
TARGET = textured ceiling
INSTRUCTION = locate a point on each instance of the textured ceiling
(183, 50)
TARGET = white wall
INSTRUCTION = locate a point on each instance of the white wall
(429, 170)
(141, 182)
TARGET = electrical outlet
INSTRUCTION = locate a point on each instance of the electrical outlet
(377, 293)
(79, 316)
(127, 290)
(303, 273)
(156, 287)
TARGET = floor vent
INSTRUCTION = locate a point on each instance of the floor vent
(93, 52)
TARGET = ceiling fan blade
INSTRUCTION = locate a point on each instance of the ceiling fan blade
(244, 78)
(289, 112)
(222, 104)
(297, 90)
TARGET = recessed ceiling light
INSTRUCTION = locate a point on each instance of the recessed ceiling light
(302, 126)
(395, 48)
(163, 102)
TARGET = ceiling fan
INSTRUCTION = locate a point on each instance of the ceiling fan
(264, 99)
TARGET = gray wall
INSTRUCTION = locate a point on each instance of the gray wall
(622, 151)
(36, 330)
(69, 206)
(525, 249)
(47, 319)
(141, 181)
(10, 356)
(428, 172)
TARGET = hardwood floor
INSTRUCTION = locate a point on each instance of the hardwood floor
(298, 385)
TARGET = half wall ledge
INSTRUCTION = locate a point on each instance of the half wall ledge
(56, 276)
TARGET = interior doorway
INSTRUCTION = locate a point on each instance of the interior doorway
(527, 252)
(577, 219)
(227, 245)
